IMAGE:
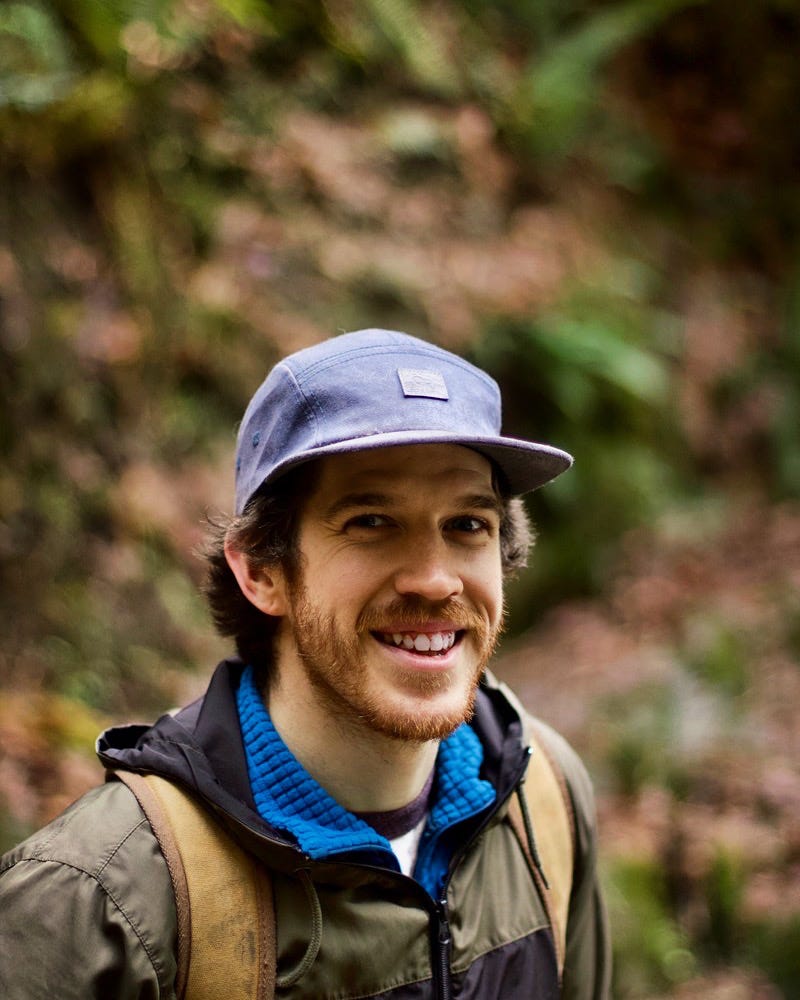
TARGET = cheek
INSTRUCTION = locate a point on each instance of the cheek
(360, 573)
(498, 606)
(487, 586)
(345, 586)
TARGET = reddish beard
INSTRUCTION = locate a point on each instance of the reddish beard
(335, 665)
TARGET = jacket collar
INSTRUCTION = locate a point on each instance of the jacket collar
(200, 747)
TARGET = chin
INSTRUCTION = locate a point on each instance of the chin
(421, 723)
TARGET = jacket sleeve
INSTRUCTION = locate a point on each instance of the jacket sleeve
(86, 909)
(587, 966)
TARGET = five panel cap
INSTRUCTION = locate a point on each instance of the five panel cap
(378, 389)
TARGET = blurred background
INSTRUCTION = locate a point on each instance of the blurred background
(600, 204)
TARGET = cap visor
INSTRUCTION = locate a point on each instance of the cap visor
(526, 465)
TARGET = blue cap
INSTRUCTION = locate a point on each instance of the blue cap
(376, 389)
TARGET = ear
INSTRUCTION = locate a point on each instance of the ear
(265, 588)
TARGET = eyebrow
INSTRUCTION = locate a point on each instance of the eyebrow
(349, 501)
(482, 501)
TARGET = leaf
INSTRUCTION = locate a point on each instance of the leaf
(560, 90)
(35, 62)
(596, 349)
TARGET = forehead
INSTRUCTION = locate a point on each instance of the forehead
(447, 469)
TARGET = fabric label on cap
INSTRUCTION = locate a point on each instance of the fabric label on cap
(421, 382)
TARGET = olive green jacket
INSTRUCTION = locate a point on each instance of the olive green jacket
(87, 910)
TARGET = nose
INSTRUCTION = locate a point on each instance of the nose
(429, 571)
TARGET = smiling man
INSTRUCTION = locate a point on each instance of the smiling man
(357, 749)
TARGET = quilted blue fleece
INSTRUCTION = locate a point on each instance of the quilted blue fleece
(289, 799)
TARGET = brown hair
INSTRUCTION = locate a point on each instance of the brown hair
(266, 533)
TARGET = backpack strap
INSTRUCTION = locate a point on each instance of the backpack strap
(228, 893)
(550, 815)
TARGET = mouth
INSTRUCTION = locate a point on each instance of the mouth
(427, 643)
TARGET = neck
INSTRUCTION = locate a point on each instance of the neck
(363, 770)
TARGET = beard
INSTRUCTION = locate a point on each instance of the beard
(336, 667)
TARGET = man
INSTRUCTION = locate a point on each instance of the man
(357, 746)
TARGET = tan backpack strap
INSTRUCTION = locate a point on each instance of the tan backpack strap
(552, 837)
(160, 825)
(226, 918)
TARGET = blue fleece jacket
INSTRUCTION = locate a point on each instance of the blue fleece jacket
(290, 800)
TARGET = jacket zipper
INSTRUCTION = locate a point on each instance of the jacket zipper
(443, 986)
(443, 983)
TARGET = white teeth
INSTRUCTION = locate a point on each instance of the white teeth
(422, 642)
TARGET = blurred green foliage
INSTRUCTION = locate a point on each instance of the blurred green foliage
(555, 105)
(773, 946)
(37, 65)
(725, 891)
(591, 377)
(653, 952)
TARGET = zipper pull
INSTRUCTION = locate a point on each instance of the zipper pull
(444, 923)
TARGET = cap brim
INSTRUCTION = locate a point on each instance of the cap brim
(526, 465)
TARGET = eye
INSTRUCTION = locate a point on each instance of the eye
(468, 524)
(367, 521)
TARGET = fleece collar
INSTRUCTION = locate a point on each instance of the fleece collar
(289, 799)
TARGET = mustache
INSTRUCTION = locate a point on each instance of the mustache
(416, 611)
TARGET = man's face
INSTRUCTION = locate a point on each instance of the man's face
(398, 602)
